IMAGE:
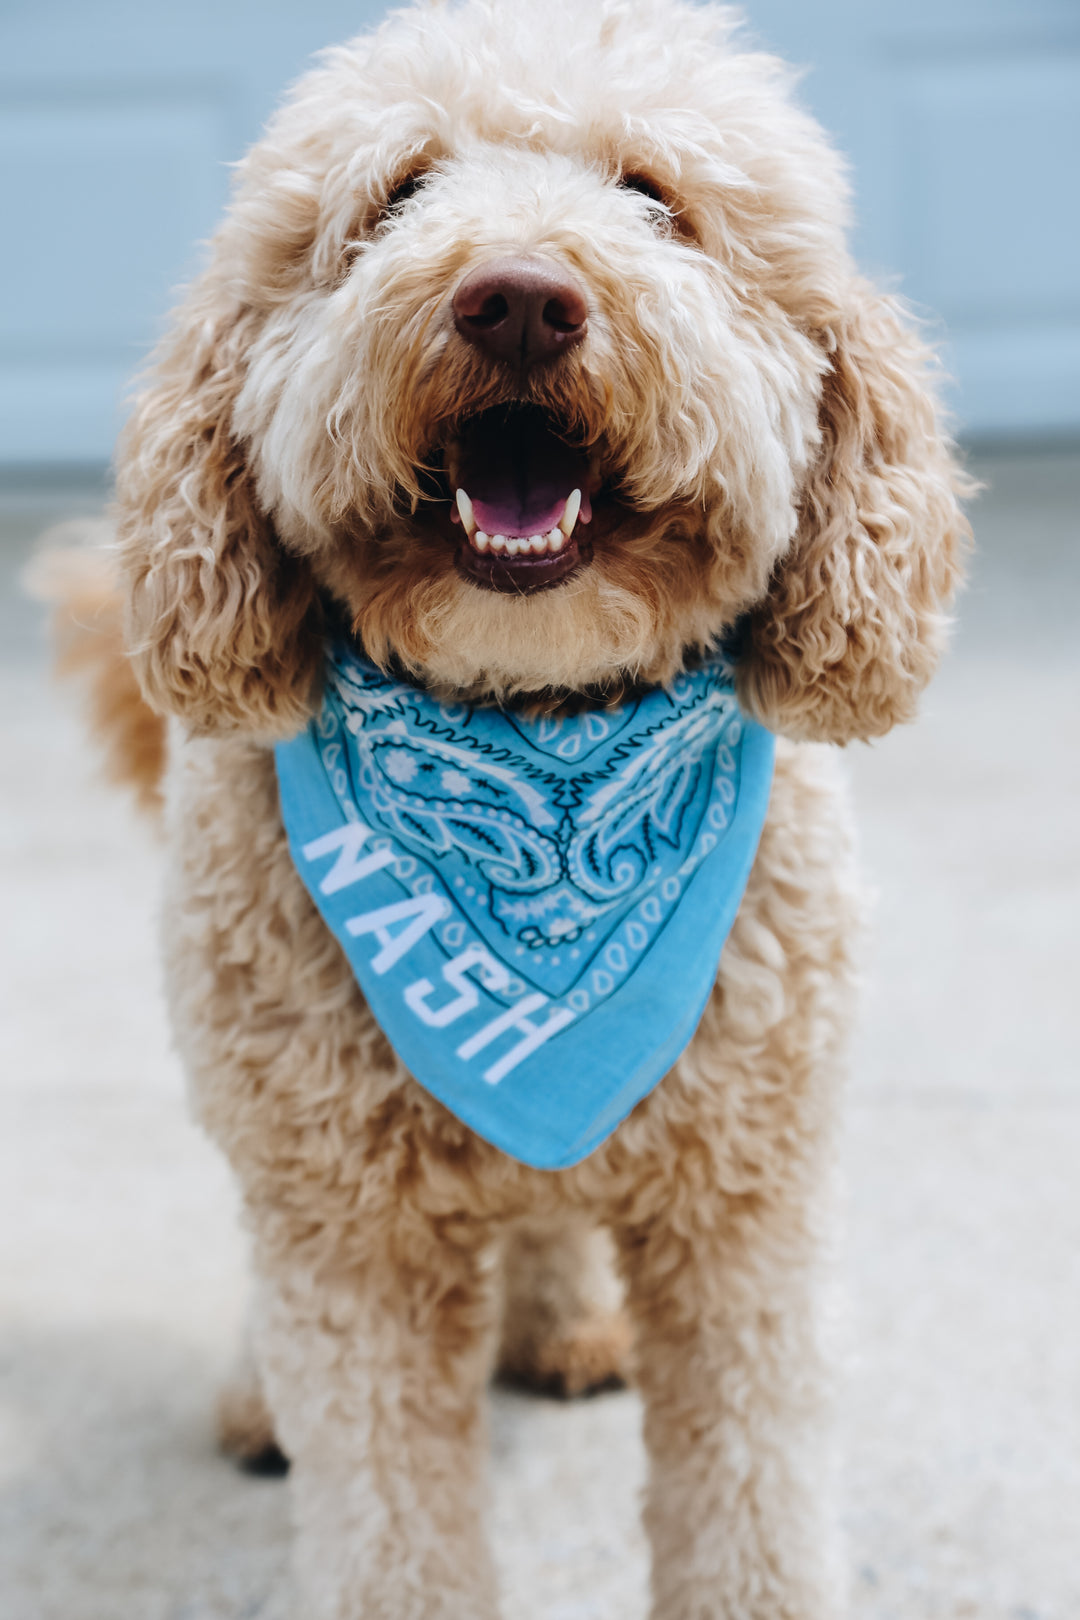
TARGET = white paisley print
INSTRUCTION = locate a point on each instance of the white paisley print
(563, 842)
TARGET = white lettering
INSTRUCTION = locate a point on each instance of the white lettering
(516, 1018)
(348, 840)
(398, 927)
(493, 976)
(425, 910)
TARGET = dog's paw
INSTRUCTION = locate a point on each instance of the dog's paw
(589, 1356)
(245, 1429)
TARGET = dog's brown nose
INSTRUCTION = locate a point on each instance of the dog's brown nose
(520, 311)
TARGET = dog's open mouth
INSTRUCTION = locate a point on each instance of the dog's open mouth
(521, 495)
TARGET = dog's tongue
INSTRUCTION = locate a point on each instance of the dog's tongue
(519, 475)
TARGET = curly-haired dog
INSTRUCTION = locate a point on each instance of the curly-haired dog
(600, 241)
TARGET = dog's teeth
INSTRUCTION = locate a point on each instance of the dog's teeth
(570, 515)
(498, 542)
(555, 540)
(515, 546)
(480, 540)
(538, 543)
(464, 506)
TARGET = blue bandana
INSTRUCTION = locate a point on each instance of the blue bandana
(533, 908)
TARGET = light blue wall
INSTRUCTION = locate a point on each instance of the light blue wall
(962, 120)
(117, 121)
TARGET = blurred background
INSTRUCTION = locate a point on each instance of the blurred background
(119, 119)
(121, 1264)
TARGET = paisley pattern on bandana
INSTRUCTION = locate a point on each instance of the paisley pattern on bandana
(566, 882)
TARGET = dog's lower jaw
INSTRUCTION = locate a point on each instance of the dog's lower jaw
(631, 618)
(522, 575)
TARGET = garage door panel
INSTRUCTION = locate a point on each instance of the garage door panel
(987, 211)
(106, 197)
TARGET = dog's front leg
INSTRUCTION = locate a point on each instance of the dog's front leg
(375, 1344)
(738, 1503)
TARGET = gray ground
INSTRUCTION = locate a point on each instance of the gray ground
(122, 1271)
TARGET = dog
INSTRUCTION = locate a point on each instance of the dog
(594, 251)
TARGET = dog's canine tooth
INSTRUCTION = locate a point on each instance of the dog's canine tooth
(498, 542)
(570, 514)
(538, 543)
(554, 539)
(465, 509)
(480, 540)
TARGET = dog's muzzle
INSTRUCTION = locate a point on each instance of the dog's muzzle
(519, 489)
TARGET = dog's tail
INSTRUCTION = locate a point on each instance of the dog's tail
(76, 573)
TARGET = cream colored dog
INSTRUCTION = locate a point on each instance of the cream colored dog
(605, 219)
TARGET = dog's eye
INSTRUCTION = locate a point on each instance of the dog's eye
(664, 211)
(404, 187)
(644, 186)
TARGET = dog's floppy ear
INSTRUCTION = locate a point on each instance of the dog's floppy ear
(223, 626)
(853, 623)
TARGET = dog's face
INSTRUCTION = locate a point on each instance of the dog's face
(541, 282)
(517, 345)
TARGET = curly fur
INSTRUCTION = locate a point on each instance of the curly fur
(76, 575)
(768, 422)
